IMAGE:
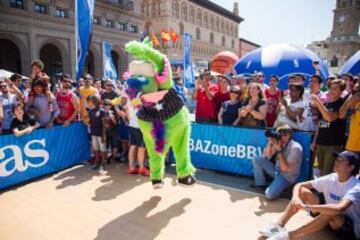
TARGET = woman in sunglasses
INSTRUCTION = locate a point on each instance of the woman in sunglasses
(229, 110)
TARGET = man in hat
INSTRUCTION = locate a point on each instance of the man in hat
(286, 169)
(340, 210)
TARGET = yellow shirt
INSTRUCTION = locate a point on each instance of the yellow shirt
(84, 93)
(353, 142)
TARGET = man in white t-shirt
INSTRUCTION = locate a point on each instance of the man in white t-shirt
(335, 213)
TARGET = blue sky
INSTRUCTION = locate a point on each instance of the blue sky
(284, 21)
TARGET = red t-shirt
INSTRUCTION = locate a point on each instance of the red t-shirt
(66, 106)
(219, 99)
(272, 103)
(204, 107)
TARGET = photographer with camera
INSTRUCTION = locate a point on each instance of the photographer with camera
(286, 169)
(352, 104)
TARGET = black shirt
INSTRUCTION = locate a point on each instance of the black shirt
(96, 125)
(109, 95)
(332, 133)
(231, 112)
(21, 125)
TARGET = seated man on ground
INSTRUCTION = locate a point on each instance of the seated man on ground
(340, 211)
(286, 169)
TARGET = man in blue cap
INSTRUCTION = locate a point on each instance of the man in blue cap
(341, 210)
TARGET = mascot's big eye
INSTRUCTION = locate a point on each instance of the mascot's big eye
(137, 82)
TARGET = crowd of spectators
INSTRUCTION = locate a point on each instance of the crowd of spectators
(328, 108)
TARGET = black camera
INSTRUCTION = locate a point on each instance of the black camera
(272, 134)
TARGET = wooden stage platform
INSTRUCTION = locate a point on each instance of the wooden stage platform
(78, 204)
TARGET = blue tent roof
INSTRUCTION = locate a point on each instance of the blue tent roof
(281, 60)
(352, 65)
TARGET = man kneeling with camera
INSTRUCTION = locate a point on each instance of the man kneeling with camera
(287, 155)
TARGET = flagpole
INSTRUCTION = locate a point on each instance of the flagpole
(76, 41)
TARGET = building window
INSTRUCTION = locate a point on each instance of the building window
(96, 20)
(61, 13)
(109, 23)
(223, 41)
(133, 29)
(184, 13)
(181, 28)
(211, 37)
(198, 34)
(122, 26)
(232, 43)
(40, 8)
(17, 4)
(334, 61)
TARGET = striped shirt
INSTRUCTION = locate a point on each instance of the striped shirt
(171, 104)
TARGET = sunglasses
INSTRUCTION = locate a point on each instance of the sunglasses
(108, 85)
(107, 104)
(3, 85)
(236, 92)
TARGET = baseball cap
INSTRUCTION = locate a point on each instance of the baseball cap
(348, 155)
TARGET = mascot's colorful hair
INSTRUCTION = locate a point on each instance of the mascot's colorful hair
(164, 122)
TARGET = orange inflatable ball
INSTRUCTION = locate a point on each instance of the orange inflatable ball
(223, 62)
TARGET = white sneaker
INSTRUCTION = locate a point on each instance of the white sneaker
(101, 170)
(271, 230)
(283, 235)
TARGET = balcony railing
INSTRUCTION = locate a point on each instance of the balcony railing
(124, 4)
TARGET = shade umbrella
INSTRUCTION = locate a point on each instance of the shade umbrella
(281, 60)
(7, 74)
(352, 65)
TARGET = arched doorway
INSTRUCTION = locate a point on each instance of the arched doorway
(51, 57)
(10, 56)
(116, 61)
(89, 64)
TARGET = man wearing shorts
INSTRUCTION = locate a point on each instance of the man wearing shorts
(339, 203)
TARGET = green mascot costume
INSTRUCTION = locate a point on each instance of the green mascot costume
(163, 118)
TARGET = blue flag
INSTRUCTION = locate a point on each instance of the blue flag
(188, 69)
(109, 67)
(142, 36)
(83, 29)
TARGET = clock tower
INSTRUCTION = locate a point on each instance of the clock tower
(344, 40)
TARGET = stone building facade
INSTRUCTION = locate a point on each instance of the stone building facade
(246, 46)
(344, 40)
(45, 29)
(213, 28)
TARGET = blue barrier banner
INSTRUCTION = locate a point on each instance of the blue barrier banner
(231, 149)
(42, 152)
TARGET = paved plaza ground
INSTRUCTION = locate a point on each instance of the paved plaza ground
(78, 204)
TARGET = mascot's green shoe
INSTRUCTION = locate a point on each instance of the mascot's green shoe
(162, 116)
